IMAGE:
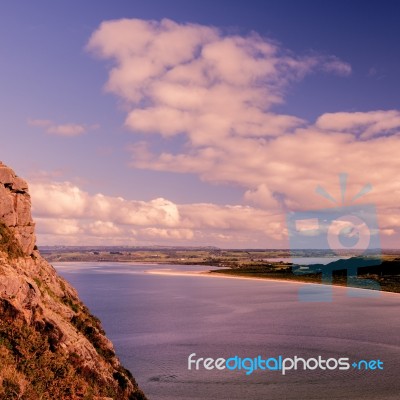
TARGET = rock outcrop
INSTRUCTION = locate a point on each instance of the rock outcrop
(51, 347)
(15, 208)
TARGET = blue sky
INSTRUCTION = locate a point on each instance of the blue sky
(50, 80)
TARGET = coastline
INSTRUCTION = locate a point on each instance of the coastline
(217, 274)
(206, 272)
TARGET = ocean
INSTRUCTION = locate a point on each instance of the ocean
(157, 320)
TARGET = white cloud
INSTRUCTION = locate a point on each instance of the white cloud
(68, 130)
(58, 226)
(103, 228)
(364, 124)
(65, 200)
(194, 79)
(65, 214)
(68, 213)
(160, 233)
(61, 200)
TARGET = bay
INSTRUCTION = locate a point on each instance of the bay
(157, 315)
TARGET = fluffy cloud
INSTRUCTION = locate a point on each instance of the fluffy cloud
(364, 124)
(193, 79)
(59, 226)
(65, 200)
(66, 214)
(282, 173)
(104, 220)
(158, 233)
(69, 129)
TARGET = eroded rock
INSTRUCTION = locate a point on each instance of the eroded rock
(15, 208)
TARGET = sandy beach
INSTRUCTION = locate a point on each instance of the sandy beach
(209, 274)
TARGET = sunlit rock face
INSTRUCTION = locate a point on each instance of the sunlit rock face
(51, 347)
(15, 208)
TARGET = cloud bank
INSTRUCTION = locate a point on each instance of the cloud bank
(194, 79)
(66, 214)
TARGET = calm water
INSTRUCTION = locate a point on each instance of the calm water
(156, 321)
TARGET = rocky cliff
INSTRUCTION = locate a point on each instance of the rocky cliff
(51, 347)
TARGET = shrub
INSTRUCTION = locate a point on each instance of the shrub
(8, 243)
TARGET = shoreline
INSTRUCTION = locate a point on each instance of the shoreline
(213, 273)
(210, 274)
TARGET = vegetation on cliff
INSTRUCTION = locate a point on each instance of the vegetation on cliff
(8, 243)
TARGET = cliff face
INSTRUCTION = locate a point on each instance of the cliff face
(51, 347)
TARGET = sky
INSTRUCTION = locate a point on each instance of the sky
(199, 123)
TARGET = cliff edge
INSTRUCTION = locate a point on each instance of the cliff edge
(51, 347)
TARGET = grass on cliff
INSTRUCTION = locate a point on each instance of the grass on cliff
(33, 365)
(30, 370)
(8, 243)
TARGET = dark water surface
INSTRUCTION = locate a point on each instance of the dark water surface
(156, 321)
